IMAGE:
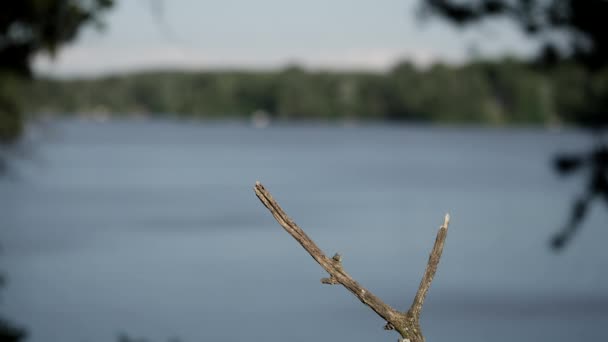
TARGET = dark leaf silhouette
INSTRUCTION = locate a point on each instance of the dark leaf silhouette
(581, 26)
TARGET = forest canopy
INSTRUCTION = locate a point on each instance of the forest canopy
(507, 91)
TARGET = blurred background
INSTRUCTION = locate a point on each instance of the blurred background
(132, 133)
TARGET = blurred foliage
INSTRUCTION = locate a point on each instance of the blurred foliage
(575, 54)
(572, 34)
(9, 332)
(568, 29)
(595, 163)
(30, 27)
(500, 92)
(11, 122)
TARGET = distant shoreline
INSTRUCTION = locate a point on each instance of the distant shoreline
(506, 92)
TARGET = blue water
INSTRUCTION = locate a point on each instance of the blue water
(152, 228)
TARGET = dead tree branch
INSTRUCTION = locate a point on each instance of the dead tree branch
(406, 323)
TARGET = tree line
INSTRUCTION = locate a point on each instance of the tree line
(499, 92)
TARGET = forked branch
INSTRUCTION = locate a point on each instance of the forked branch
(406, 323)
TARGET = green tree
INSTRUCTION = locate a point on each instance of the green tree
(29, 27)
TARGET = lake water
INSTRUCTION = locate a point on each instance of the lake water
(153, 229)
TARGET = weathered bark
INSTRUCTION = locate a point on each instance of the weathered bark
(406, 323)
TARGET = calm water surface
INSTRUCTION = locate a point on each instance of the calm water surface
(152, 228)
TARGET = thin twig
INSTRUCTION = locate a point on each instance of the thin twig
(406, 323)
(332, 266)
(431, 268)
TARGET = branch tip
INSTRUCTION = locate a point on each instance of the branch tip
(446, 221)
(431, 268)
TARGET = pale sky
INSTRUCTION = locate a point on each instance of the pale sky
(264, 34)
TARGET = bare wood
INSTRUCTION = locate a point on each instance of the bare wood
(332, 266)
(431, 268)
(406, 323)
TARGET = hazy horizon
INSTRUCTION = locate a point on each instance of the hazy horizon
(270, 35)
